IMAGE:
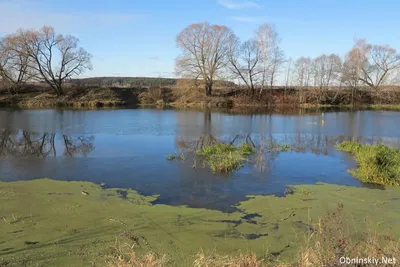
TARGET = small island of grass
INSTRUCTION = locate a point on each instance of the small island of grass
(225, 158)
(376, 164)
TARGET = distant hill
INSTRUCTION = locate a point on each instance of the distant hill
(134, 82)
(125, 81)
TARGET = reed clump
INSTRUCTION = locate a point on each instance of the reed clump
(225, 158)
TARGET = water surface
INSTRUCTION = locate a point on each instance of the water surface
(126, 148)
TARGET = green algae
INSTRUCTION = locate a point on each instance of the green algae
(73, 229)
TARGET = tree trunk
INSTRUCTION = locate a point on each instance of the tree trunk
(208, 88)
(12, 91)
(59, 90)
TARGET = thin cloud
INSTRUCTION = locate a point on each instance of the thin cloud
(155, 58)
(249, 19)
(236, 4)
(263, 19)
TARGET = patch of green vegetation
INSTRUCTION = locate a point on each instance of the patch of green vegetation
(376, 164)
(283, 148)
(177, 155)
(225, 158)
(52, 223)
(383, 107)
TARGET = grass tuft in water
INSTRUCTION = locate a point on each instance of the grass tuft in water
(376, 164)
(177, 155)
(225, 158)
(283, 148)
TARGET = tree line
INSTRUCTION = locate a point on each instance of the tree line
(210, 52)
(42, 56)
(125, 81)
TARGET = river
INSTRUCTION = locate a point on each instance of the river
(126, 148)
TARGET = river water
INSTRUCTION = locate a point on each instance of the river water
(126, 148)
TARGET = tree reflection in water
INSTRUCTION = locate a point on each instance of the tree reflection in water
(42, 145)
(268, 148)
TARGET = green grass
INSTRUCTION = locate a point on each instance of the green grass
(376, 164)
(283, 148)
(384, 107)
(224, 158)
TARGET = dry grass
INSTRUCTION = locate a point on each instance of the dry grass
(330, 240)
(201, 260)
(148, 260)
(215, 260)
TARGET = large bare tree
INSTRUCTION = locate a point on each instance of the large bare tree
(246, 63)
(371, 65)
(14, 64)
(205, 51)
(54, 57)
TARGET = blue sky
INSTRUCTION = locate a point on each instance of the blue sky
(137, 37)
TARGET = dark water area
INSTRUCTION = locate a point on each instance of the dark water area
(126, 148)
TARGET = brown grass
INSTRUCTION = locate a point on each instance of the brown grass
(331, 239)
(148, 260)
(215, 260)
(189, 94)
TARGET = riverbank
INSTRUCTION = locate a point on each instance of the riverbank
(102, 97)
(54, 223)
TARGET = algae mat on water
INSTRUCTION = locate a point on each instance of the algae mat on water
(53, 223)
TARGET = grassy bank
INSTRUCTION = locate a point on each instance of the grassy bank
(376, 164)
(53, 223)
(76, 96)
(382, 107)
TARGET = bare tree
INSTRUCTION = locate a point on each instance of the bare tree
(327, 70)
(54, 57)
(14, 65)
(205, 51)
(351, 71)
(288, 76)
(246, 63)
(302, 69)
(382, 61)
(371, 64)
(266, 35)
(277, 60)
(272, 55)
